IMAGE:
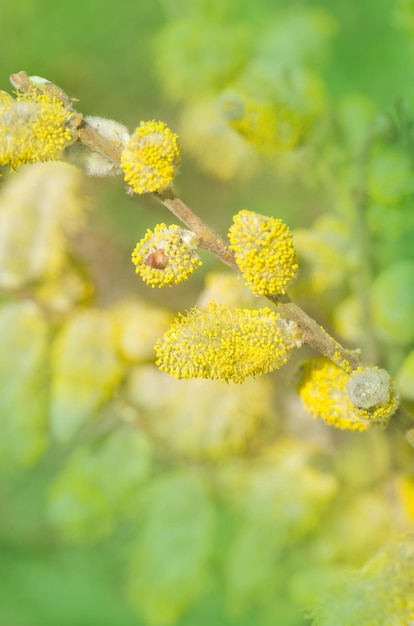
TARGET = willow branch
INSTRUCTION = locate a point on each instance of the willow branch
(312, 333)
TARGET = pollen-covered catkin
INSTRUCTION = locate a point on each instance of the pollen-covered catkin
(268, 126)
(166, 255)
(264, 252)
(33, 127)
(151, 159)
(323, 388)
(225, 343)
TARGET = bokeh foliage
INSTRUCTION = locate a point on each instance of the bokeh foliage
(128, 497)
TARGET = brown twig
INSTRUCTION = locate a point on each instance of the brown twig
(207, 238)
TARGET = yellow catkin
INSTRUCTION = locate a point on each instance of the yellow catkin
(34, 127)
(270, 127)
(405, 491)
(385, 395)
(228, 344)
(201, 419)
(264, 252)
(166, 255)
(322, 386)
(151, 159)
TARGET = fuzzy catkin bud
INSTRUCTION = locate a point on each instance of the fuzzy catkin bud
(264, 252)
(93, 163)
(166, 256)
(268, 126)
(151, 159)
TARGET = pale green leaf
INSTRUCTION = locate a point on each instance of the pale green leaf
(23, 374)
(169, 560)
(86, 370)
(99, 484)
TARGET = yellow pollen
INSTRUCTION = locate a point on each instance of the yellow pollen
(264, 252)
(151, 159)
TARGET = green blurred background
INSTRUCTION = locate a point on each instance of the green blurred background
(107, 56)
(102, 53)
